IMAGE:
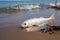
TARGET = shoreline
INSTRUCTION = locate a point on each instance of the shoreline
(10, 25)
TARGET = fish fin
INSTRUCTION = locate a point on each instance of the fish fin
(52, 18)
(35, 25)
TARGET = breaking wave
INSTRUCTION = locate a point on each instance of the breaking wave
(22, 7)
(27, 6)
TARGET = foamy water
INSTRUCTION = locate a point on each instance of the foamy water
(31, 6)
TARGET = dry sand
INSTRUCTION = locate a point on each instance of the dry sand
(15, 33)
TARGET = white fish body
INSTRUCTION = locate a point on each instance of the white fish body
(36, 24)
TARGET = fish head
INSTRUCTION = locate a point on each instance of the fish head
(25, 26)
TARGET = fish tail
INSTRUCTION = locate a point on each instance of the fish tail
(52, 18)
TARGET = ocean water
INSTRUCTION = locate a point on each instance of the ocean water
(13, 3)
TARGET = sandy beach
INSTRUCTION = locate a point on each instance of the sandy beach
(14, 33)
(10, 23)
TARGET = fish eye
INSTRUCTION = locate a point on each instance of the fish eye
(24, 23)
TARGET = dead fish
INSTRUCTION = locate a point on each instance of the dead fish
(36, 24)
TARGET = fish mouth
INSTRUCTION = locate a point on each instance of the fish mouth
(24, 28)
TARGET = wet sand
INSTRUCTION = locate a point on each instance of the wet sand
(14, 33)
(10, 23)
